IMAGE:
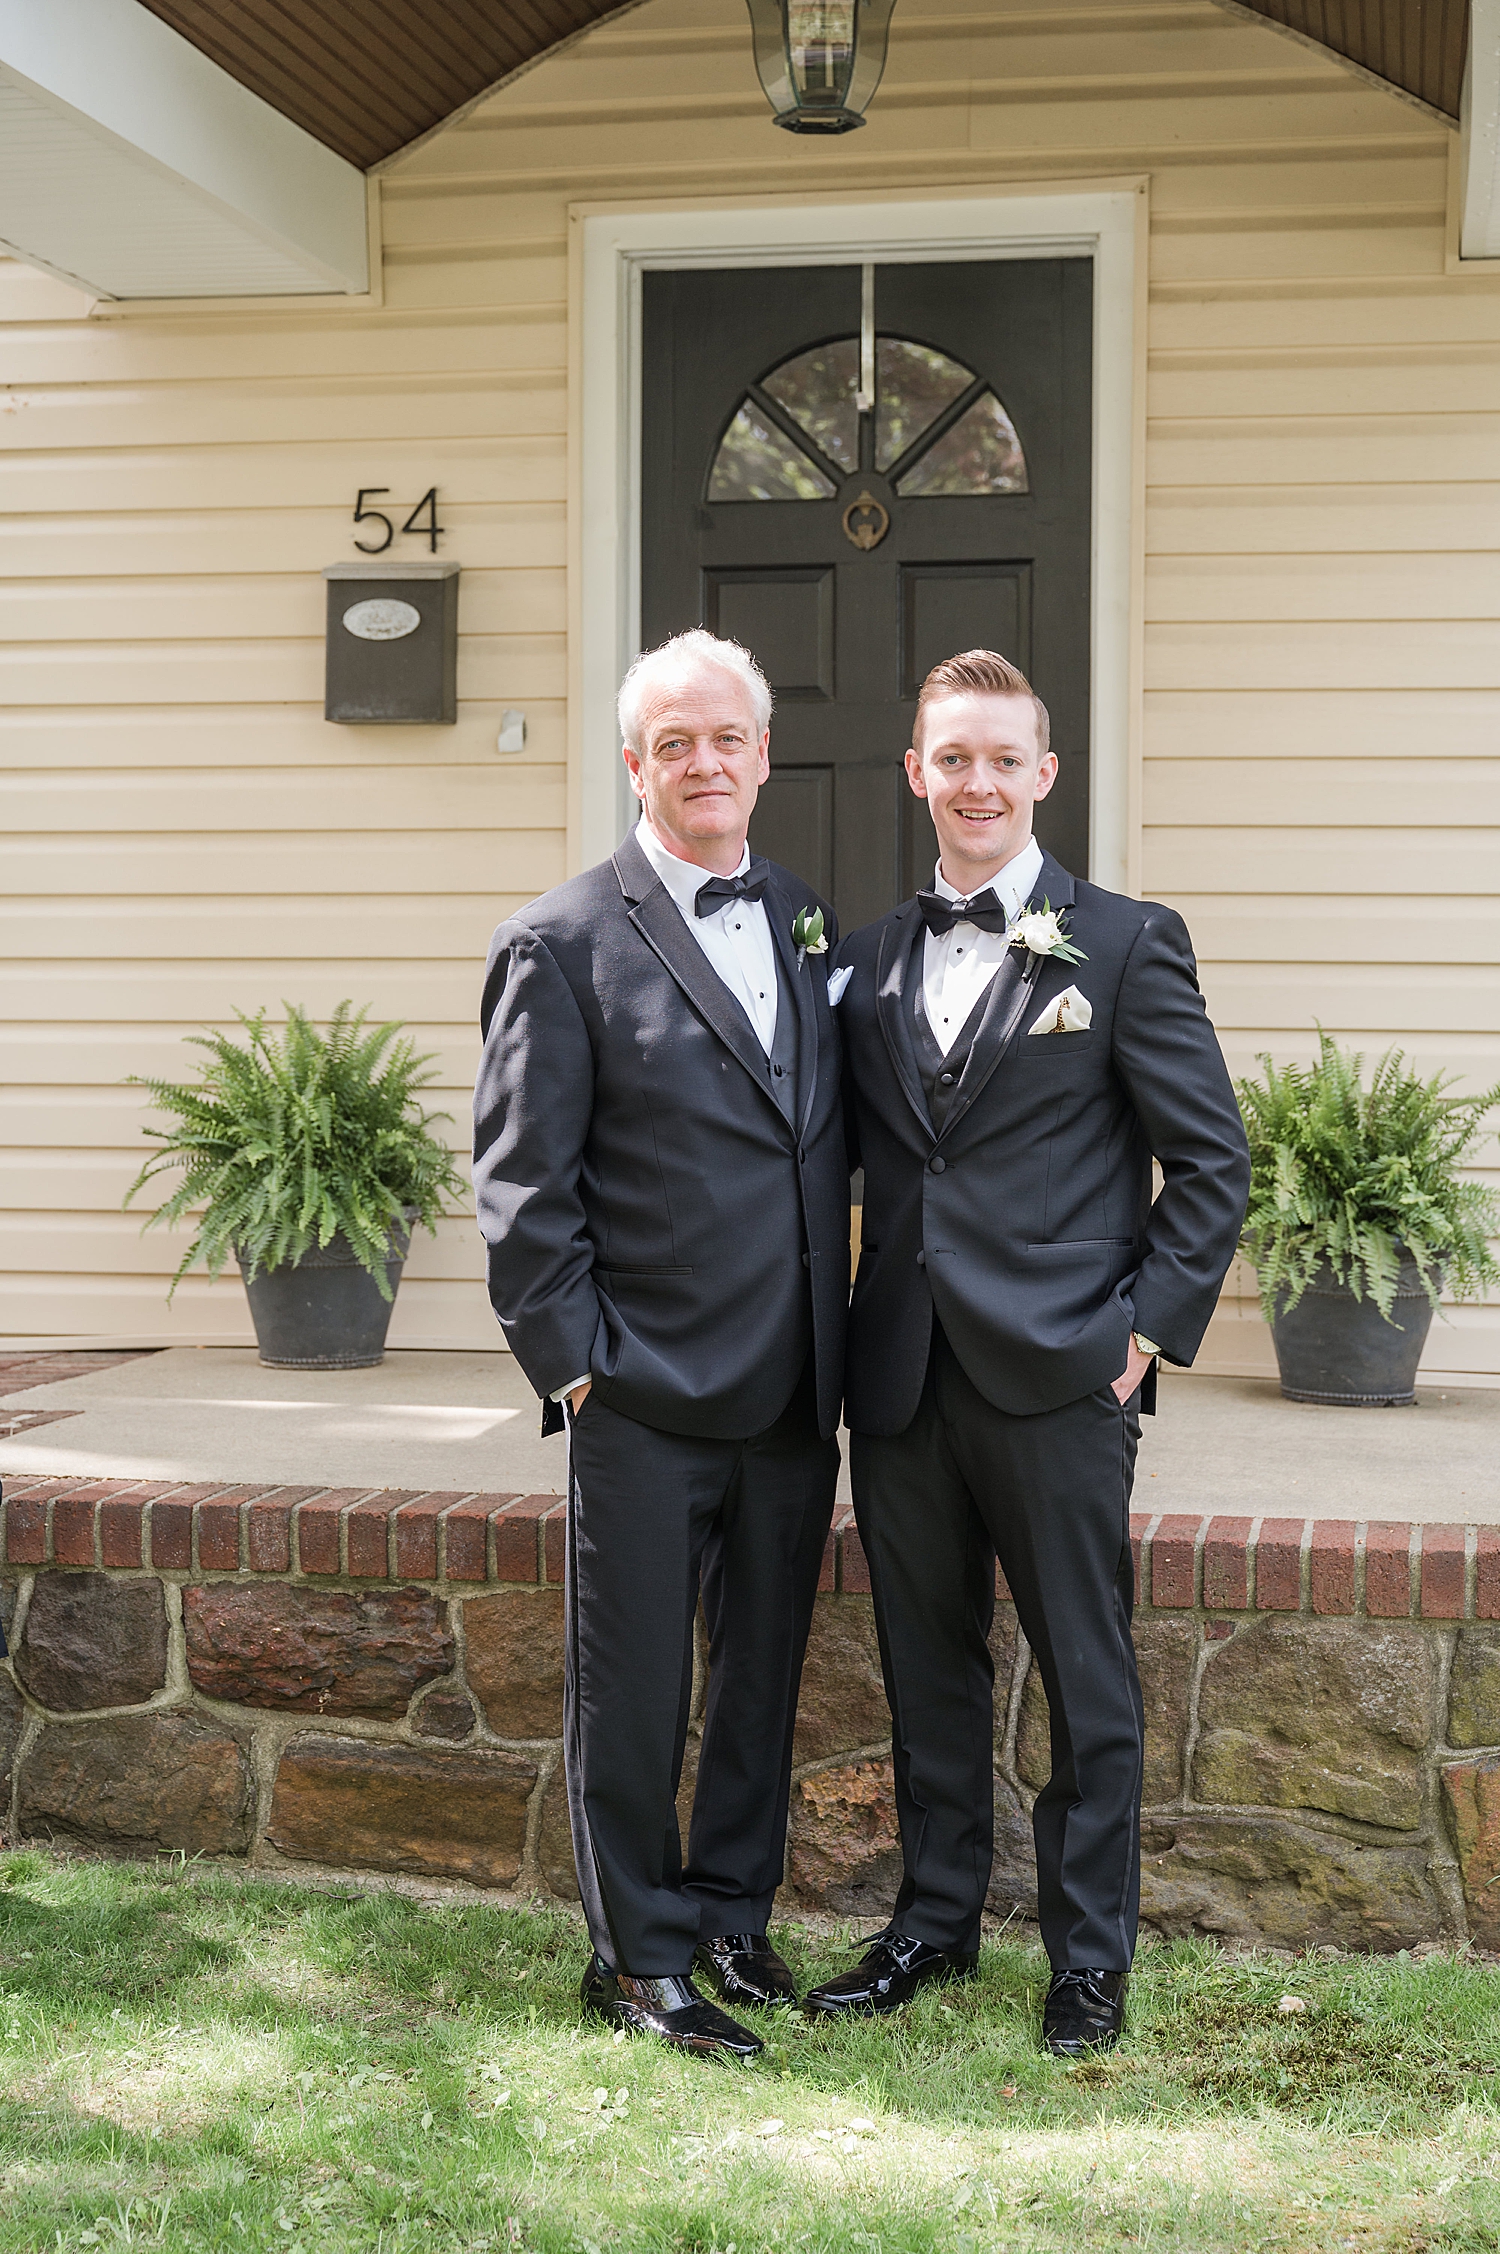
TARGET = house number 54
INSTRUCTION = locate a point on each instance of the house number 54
(427, 528)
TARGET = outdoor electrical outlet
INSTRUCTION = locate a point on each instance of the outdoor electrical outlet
(512, 736)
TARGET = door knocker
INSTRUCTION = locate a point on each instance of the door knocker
(866, 521)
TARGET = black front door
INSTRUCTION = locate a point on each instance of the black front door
(852, 532)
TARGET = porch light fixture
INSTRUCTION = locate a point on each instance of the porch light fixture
(820, 61)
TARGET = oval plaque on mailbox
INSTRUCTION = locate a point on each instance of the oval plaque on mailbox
(382, 619)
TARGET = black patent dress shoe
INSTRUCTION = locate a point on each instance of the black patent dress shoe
(1084, 2011)
(669, 2007)
(889, 1975)
(745, 1969)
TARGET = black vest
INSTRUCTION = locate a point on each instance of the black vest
(781, 1071)
(940, 1074)
(781, 1064)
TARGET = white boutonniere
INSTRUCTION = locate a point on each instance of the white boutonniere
(807, 933)
(1040, 932)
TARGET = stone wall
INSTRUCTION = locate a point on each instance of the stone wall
(373, 1680)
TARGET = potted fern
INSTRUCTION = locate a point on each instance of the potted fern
(310, 1159)
(1358, 1219)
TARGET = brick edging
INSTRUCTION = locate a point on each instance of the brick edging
(322, 1533)
(1379, 1569)
(1376, 1569)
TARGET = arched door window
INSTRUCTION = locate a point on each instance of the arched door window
(939, 428)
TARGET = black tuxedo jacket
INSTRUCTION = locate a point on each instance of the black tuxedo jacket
(651, 1216)
(1028, 1222)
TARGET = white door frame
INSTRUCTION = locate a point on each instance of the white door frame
(611, 247)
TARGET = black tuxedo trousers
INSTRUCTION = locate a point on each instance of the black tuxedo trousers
(1050, 1495)
(653, 1519)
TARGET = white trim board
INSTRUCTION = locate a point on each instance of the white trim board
(1479, 139)
(612, 248)
(132, 166)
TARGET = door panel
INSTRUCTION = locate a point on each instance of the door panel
(785, 617)
(995, 358)
(869, 840)
(948, 607)
(794, 823)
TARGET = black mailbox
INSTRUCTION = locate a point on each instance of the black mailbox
(392, 642)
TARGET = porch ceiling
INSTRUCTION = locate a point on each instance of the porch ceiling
(1415, 45)
(367, 79)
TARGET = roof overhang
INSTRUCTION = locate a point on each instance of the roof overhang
(373, 78)
(1442, 55)
(1413, 48)
(217, 148)
(133, 166)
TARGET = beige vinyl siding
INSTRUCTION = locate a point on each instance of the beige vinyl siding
(183, 832)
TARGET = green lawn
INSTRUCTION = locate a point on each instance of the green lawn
(191, 2059)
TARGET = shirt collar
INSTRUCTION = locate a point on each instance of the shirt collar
(681, 878)
(1012, 887)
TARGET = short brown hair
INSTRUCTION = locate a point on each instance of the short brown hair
(980, 673)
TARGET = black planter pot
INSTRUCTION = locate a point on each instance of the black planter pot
(1339, 1350)
(324, 1311)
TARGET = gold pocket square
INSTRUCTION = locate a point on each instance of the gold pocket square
(1067, 1012)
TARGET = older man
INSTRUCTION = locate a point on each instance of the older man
(662, 1184)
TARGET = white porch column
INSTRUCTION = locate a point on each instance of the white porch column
(1479, 225)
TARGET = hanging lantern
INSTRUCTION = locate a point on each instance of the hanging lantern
(820, 60)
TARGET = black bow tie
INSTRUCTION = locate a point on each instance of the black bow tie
(941, 915)
(719, 890)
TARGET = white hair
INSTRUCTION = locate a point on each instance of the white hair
(686, 654)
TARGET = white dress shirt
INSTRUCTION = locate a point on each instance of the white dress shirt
(958, 965)
(736, 938)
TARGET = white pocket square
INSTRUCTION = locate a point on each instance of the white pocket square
(1067, 1012)
(837, 981)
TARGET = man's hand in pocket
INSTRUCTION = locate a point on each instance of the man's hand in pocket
(579, 1395)
(1124, 1385)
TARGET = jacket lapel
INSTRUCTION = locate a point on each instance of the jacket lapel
(1011, 989)
(657, 918)
(892, 1004)
(803, 983)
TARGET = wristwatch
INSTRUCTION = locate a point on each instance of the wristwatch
(1146, 1345)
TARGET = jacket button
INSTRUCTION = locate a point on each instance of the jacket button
(945, 1079)
(936, 1165)
(777, 1071)
(921, 1259)
(807, 1259)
